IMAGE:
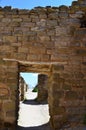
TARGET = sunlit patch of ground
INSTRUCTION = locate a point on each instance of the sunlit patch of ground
(33, 114)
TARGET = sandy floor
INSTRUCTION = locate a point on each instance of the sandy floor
(32, 114)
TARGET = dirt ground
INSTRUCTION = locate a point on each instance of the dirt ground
(33, 115)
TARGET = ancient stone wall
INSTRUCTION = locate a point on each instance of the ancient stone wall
(23, 87)
(8, 94)
(53, 36)
(42, 87)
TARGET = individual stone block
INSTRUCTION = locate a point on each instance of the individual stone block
(55, 77)
(44, 38)
(4, 91)
(0, 106)
(24, 50)
(57, 68)
(58, 110)
(63, 8)
(6, 20)
(17, 20)
(33, 57)
(71, 95)
(9, 39)
(45, 57)
(9, 105)
(1, 16)
(81, 52)
(61, 58)
(67, 87)
(59, 120)
(37, 50)
(61, 31)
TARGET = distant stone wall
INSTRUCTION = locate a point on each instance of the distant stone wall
(56, 38)
(23, 87)
(42, 87)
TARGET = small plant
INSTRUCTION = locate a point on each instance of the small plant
(35, 89)
(84, 120)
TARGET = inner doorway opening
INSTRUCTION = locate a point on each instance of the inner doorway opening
(33, 105)
(27, 81)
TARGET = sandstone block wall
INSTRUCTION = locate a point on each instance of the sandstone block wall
(42, 87)
(22, 88)
(8, 94)
(50, 35)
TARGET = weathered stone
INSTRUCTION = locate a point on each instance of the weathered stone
(55, 77)
(58, 94)
(1, 16)
(16, 19)
(57, 68)
(81, 52)
(42, 87)
(63, 14)
(6, 20)
(44, 38)
(59, 58)
(62, 42)
(59, 120)
(50, 41)
(53, 15)
(63, 8)
(0, 106)
(66, 87)
(10, 113)
(33, 57)
(4, 91)
(9, 39)
(7, 106)
(24, 50)
(26, 24)
(45, 57)
(37, 50)
(61, 31)
(71, 95)
(55, 85)
(23, 87)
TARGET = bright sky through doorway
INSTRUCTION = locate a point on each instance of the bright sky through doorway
(30, 78)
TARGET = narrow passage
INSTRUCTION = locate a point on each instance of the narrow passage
(32, 115)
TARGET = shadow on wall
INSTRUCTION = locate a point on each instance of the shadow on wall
(42, 127)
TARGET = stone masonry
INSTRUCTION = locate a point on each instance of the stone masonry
(22, 88)
(42, 88)
(46, 40)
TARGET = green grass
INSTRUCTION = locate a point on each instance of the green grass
(35, 89)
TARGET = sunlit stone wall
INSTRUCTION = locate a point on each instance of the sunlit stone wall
(42, 88)
(47, 35)
(23, 87)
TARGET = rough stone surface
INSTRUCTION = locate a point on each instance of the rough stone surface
(42, 88)
(22, 88)
(46, 40)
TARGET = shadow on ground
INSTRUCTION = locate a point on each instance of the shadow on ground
(34, 102)
(42, 127)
